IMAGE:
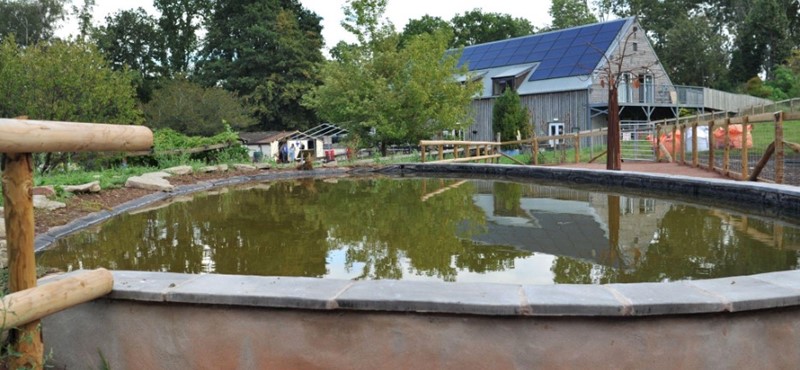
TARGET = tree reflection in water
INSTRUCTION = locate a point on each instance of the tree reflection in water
(441, 229)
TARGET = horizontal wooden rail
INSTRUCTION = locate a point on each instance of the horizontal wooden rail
(30, 136)
(468, 159)
(455, 142)
(35, 303)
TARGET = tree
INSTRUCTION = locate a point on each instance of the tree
(131, 40)
(269, 53)
(477, 27)
(694, 53)
(179, 22)
(193, 110)
(570, 13)
(384, 94)
(64, 81)
(426, 24)
(509, 117)
(763, 42)
(30, 21)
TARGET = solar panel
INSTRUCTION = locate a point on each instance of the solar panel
(569, 52)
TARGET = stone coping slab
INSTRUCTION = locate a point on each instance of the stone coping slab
(734, 294)
(763, 291)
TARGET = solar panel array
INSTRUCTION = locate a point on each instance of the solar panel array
(565, 53)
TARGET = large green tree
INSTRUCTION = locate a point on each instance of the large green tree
(570, 13)
(384, 94)
(179, 24)
(476, 27)
(269, 53)
(30, 21)
(694, 54)
(762, 42)
(194, 110)
(131, 39)
(64, 81)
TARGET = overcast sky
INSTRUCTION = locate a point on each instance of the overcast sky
(399, 12)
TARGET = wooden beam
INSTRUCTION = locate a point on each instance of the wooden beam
(762, 163)
(26, 136)
(598, 156)
(478, 158)
(511, 158)
(18, 197)
(35, 303)
(780, 156)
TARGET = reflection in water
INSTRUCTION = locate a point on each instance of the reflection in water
(437, 229)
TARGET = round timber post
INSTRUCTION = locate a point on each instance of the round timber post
(26, 340)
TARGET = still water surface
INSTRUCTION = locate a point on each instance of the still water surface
(433, 229)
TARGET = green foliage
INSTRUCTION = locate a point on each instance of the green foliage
(168, 139)
(131, 39)
(472, 27)
(178, 26)
(194, 110)
(268, 52)
(476, 27)
(695, 54)
(570, 13)
(509, 116)
(63, 81)
(30, 21)
(762, 42)
(385, 94)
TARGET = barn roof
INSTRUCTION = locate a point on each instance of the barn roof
(569, 52)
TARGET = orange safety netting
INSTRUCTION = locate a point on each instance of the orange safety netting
(666, 140)
(734, 137)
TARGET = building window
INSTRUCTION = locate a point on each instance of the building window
(646, 89)
(635, 46)
(625, 88)
(501, 84)
(511, 80)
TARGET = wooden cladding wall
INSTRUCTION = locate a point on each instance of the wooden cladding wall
(569, 107)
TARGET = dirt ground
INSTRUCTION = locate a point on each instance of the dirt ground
(84, 204)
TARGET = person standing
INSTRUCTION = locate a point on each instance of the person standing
(283, 153)
(292, 153)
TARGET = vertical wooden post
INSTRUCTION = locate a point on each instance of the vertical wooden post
(726, 151)
(441, 152)
(658, 143)
(674, 141)
(711, 145)
(535, 154)
(745, 154)
(683, 144)
(18, 197)
(577, 147)
(422, 153)
(456, 147)
(779, 151)
(695, 151)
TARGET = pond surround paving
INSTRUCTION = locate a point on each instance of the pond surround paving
(702, 313)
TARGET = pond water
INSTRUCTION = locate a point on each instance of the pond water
(433, 229)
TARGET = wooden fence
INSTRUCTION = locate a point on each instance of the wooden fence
(28, 303)
(756, 147)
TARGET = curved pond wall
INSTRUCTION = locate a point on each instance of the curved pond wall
(168, 320)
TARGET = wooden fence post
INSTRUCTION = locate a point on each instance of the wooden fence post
(535, 154)
(745, 154)
(577, 147)
(658, 143)
(711, 145)
(674, 141)
(18, 197)
(726, 152)
(683, 144)
(695, 151)
(441, 152)
(779, 151)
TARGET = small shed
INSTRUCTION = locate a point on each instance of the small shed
(268, 143)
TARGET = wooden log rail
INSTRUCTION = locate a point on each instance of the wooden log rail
(484, 150)
(18, 140)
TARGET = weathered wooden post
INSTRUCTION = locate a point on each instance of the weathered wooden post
(726, 151)
(780, 156)
(695, 151)
(18, 139)
(711, 145)
(745, 151)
